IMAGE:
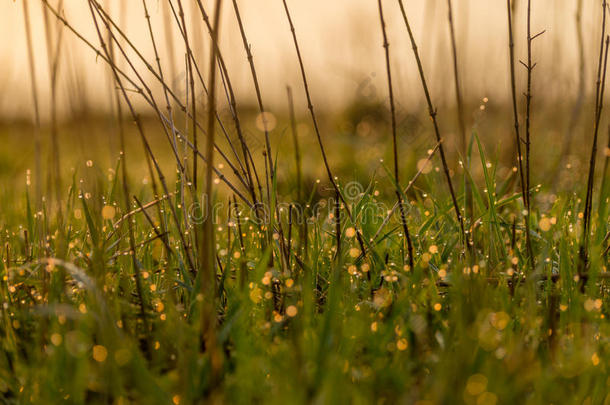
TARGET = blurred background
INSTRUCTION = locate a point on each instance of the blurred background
(341, 45)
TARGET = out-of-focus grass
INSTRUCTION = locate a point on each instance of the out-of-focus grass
(328, 328)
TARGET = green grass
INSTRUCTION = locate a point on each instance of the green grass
(114, 290)
(327, 327)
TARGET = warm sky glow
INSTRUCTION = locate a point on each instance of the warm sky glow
(341, 43)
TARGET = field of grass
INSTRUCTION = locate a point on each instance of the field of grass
(355, 257)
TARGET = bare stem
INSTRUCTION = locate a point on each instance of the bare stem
(433, 112)
(403, 219)
(259, 97)
(524, 189)
(208, 276)
(34, 88)
(599, 103)
(331, 178)
(468, 198)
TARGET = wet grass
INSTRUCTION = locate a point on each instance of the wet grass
(282, 272)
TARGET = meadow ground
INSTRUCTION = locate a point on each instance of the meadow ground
(320, 259)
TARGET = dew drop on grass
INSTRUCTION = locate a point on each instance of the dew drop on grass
(291, 311)
(56, 339)
(108, 212)
(476, 384)
(595, 359)
(100, 353)
(424, 165)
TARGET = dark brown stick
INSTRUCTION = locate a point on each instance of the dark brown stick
(148, 96)
(259, 97)
(528, 109)
(331, 178)
(132, 244)
(432, 111)
(577, 107)
(207, 252)
(468, 198)
(524, 189)
(297, 149)
(599, 103)
(191, 81)
(233, 104)
(403, 219)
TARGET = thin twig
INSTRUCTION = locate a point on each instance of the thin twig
(257, 89)
(433, 112)
(132, 244)
(411, 183)
(403, 219)
(207, 252)
(310, 107)
(524, 189)
(599, 103)
(468, 197)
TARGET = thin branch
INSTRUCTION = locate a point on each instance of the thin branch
(432, 112)
(403, 219)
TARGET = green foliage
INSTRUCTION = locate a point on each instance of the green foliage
(314, 324)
